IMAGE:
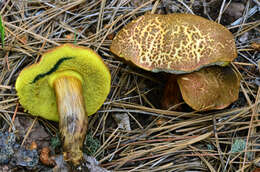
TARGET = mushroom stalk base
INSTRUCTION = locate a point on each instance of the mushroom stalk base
(73, 119)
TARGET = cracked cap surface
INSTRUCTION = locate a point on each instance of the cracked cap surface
(174, 43)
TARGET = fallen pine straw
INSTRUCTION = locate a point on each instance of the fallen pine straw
(223, 140)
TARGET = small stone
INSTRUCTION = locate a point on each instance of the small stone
(7, 141)
(244, 37)
(25, 158)
(235, 10)
(122, 121)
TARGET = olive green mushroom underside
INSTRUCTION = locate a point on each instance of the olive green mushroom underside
(174, 43)
(38, 97)
(210, 88)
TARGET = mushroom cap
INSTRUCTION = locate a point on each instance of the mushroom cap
(37, 96)
(174, 43)
(210, 88)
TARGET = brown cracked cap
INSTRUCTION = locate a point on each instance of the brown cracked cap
(174, 43)
(36, 94)
(210, 88)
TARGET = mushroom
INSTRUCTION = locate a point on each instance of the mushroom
(67, 85)
(174, 43)
(210, 88)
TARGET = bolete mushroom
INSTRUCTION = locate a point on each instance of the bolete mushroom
(67, 85)
(210, 88)
(174, 43)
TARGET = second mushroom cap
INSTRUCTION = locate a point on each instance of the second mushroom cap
(210, 88)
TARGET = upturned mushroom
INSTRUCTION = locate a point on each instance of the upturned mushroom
(174, 43)
(67, 85)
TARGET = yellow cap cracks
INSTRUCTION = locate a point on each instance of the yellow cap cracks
(34, 83)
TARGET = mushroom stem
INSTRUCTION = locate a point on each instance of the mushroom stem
(73, 119)
(171, 95)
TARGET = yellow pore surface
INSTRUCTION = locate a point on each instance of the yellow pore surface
(175, 43)
(37, 96)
